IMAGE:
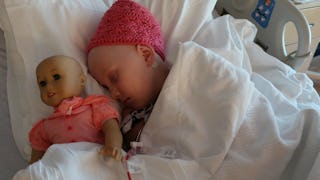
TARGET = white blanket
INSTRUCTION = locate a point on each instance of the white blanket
(227, 111)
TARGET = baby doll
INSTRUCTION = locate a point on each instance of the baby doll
(126, 56)
(92, 119)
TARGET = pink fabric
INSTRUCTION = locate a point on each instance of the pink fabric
(75, 119)
(127, 22)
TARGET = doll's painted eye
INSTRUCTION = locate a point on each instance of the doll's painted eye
(42, 83)
(56, 76)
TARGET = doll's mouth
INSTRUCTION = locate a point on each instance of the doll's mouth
(50, 94)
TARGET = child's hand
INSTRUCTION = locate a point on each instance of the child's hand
(114, 152)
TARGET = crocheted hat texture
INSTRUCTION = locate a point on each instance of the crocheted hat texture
(127, 22)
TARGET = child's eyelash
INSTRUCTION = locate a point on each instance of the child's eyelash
(114, 77)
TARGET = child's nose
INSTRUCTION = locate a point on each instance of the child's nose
(115, 94)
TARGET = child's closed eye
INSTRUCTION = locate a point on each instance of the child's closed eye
(113, 76)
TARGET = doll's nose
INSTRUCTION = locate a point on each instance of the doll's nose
(49, 87)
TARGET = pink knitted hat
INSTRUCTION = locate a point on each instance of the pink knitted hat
(127, 22)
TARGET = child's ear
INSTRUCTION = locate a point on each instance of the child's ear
(148, 53)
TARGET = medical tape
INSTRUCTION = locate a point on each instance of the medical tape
(135, 146)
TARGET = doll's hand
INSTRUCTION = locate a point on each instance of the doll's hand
(114, 152)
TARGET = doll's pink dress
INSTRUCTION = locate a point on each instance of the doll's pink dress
(75, 119)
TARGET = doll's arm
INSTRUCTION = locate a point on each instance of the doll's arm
(36, 155)
(113, 139)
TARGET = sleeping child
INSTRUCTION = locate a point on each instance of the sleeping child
(126, 56)
(92, 119)
(229, 121)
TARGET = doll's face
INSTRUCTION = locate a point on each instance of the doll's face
(126, 71)
(59, 77)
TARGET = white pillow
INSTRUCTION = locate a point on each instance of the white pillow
(35, 29)
(180, 20)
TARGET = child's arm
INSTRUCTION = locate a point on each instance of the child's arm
(36, 155)
(113, 139)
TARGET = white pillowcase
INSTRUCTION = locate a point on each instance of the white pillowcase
(180, 20)
(35, 29)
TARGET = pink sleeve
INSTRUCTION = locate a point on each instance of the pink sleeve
(102, 112)
(38, 138)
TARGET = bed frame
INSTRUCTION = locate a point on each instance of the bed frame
(11, 160)
(270, 18)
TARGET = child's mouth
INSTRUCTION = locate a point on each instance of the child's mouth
(126, 101)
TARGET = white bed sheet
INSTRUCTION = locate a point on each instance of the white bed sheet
(240, 114)
(11, 160)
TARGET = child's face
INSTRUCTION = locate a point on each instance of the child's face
(59, 78)
(126, 71)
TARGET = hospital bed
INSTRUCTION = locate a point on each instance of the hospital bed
(14, 148)
(271, 32)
